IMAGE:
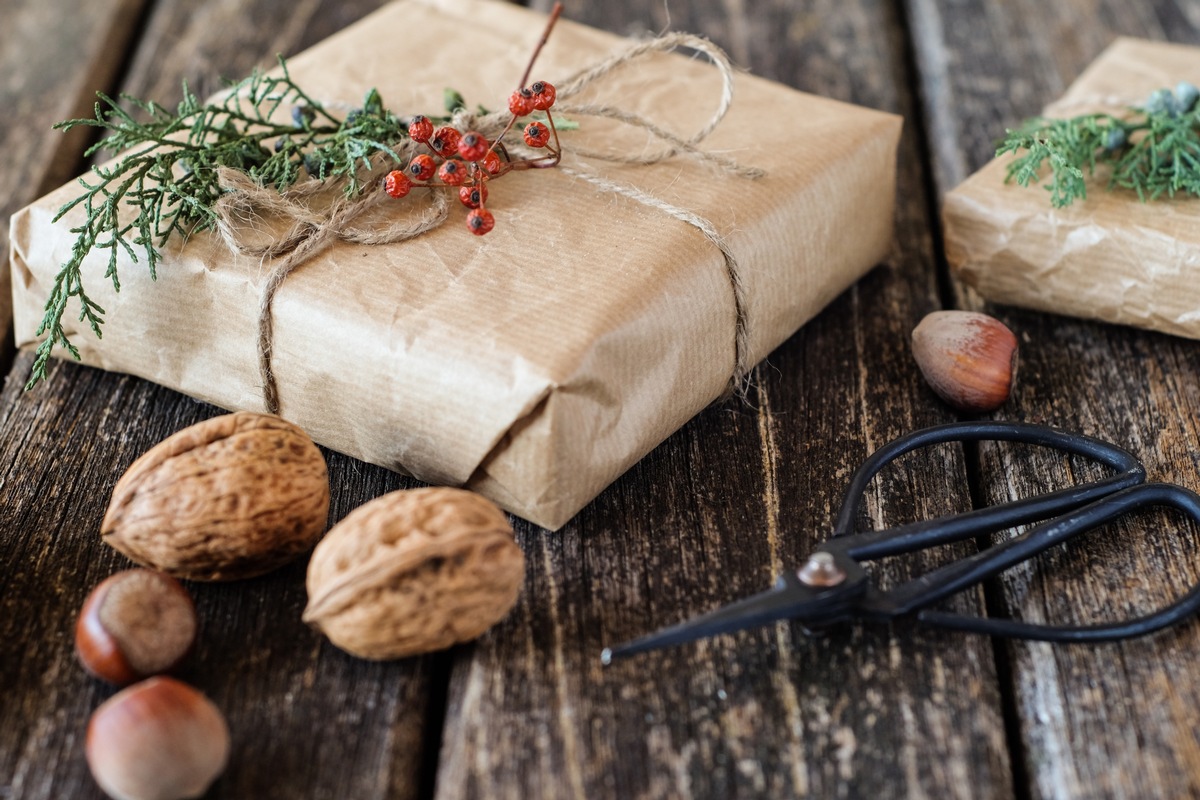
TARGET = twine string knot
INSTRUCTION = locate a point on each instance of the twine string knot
(315, 214)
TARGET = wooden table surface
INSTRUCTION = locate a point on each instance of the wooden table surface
(728, 502)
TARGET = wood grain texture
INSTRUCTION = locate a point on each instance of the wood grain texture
(308, 721)
(296, 706)
(736, 497)
(51, 66)
(739, 495)
(209, 43)
(1113, 720)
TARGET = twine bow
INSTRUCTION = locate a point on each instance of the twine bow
(313, 222)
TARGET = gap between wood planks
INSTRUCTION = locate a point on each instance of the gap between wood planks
(995, 606)
(993, 593)
(436, 711)
(920, 128)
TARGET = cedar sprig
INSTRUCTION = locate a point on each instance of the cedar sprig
(166, 182)
(1154, 150)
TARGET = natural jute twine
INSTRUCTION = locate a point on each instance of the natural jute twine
(314, 222)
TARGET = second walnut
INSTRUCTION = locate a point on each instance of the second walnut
(412, 572)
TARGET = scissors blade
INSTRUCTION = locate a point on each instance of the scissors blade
(786, 599)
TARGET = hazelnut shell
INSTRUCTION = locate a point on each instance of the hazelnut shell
(157, 740)
(968, 359)
(135, 624)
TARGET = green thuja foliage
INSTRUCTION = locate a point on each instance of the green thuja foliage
(1154, 151)
(166, 180)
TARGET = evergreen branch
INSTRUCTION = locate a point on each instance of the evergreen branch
(166, 182)
(1154, 151)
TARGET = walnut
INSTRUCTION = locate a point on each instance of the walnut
(412, 572)
(231, 497)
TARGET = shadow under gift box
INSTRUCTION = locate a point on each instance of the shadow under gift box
(1110, 256)
(538, 363)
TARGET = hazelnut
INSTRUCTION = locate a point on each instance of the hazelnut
(135, 624)
(412, 572)
(231, 497)
(969, 359)
(157, 740)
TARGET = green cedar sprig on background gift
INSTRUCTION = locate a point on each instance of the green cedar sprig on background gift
(166, 182)
(1154, 151)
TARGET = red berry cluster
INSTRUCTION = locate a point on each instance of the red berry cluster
(467, 160)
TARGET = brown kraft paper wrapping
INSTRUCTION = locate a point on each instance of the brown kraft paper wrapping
(1110, 256)
(537, 363)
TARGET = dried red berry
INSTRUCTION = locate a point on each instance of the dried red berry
(491, 162)
(520, 103)
(452, 172)
(536, 134)
(420, 129)
(473, 196)
(397, 184)
(422, 167)
(543, 95)
(445, 141)
(480, 221)
(473, 146)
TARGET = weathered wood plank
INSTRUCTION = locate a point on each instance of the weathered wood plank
(736, 497)
(307, 720)
(207, 43)
(275, 679)
(51, 66)
(1114, 720)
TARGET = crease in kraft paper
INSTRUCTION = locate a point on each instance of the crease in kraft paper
(538, 364)
(1109, 257)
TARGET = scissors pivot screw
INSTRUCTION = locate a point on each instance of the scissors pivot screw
(821, 570)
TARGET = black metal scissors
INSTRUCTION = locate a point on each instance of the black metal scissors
(832, 586)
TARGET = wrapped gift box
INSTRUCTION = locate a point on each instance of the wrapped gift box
(538, 363)
(1110, 256)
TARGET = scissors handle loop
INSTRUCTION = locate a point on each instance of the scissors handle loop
(965, 573)
(1064, 514)
(927, 533)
